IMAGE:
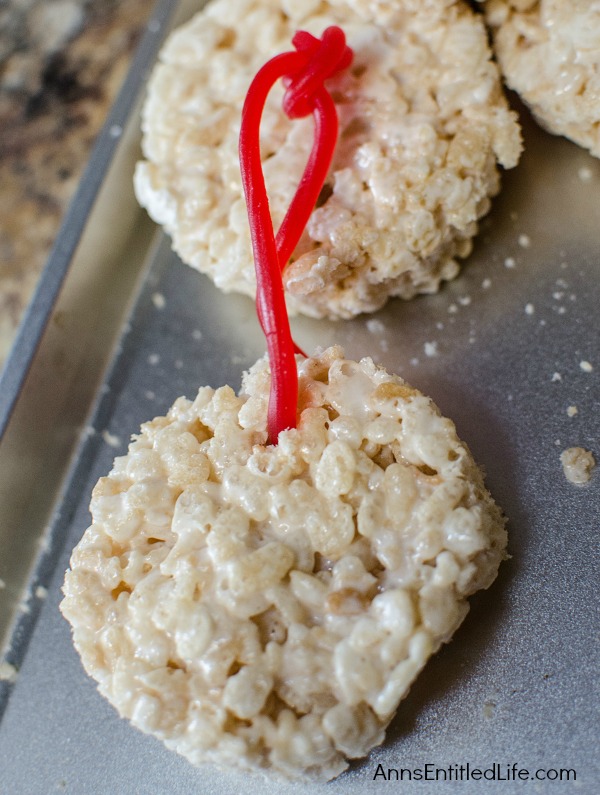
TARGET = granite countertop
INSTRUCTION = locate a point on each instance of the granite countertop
(61, 64)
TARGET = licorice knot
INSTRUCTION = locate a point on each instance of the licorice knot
(319, 60)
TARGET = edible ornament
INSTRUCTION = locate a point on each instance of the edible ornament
(549, 53)
(424, 127)
(266, 606)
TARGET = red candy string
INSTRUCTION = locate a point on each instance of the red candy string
(304, 73)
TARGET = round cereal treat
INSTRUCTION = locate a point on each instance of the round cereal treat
(267, 607)
(549, 52)
(423, 124)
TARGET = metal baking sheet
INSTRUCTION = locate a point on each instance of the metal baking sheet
(500, 351)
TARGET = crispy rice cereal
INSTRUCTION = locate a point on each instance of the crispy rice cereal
(423, 122)
(267, 607)
(578, 464)
(549, 52)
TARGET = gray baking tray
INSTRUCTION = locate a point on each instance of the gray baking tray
(499, 349)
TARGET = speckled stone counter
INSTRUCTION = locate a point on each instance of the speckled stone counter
(61, 64)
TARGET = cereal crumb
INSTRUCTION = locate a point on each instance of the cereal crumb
(431, 349)
(572, 411)
(159, 300)
(149, 394)
(577, 464)
(486, 284)
(153, 359)
(111, 439)
(509, 262)
(529, 309)
(452, 309)
(464, 300)
(196, 334)
(375, 326)
(2, 584)
(41, 592)
(586, 366)
(556, 377)
(524, 241)
(585, 174)
(8, 672)
(488, 709)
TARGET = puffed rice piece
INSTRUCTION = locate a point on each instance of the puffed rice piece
(233, 600)
(423, 123)
(549, 53)
(578, 464)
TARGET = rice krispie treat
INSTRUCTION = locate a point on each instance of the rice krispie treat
(267, 607)
(423, 124)
(549, 52)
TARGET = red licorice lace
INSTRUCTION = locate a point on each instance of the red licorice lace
(303, 73)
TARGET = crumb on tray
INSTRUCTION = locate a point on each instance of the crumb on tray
(578, 464)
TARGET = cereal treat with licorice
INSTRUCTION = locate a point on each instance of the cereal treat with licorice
(267, 607)
(423, 124)
(549, 52)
